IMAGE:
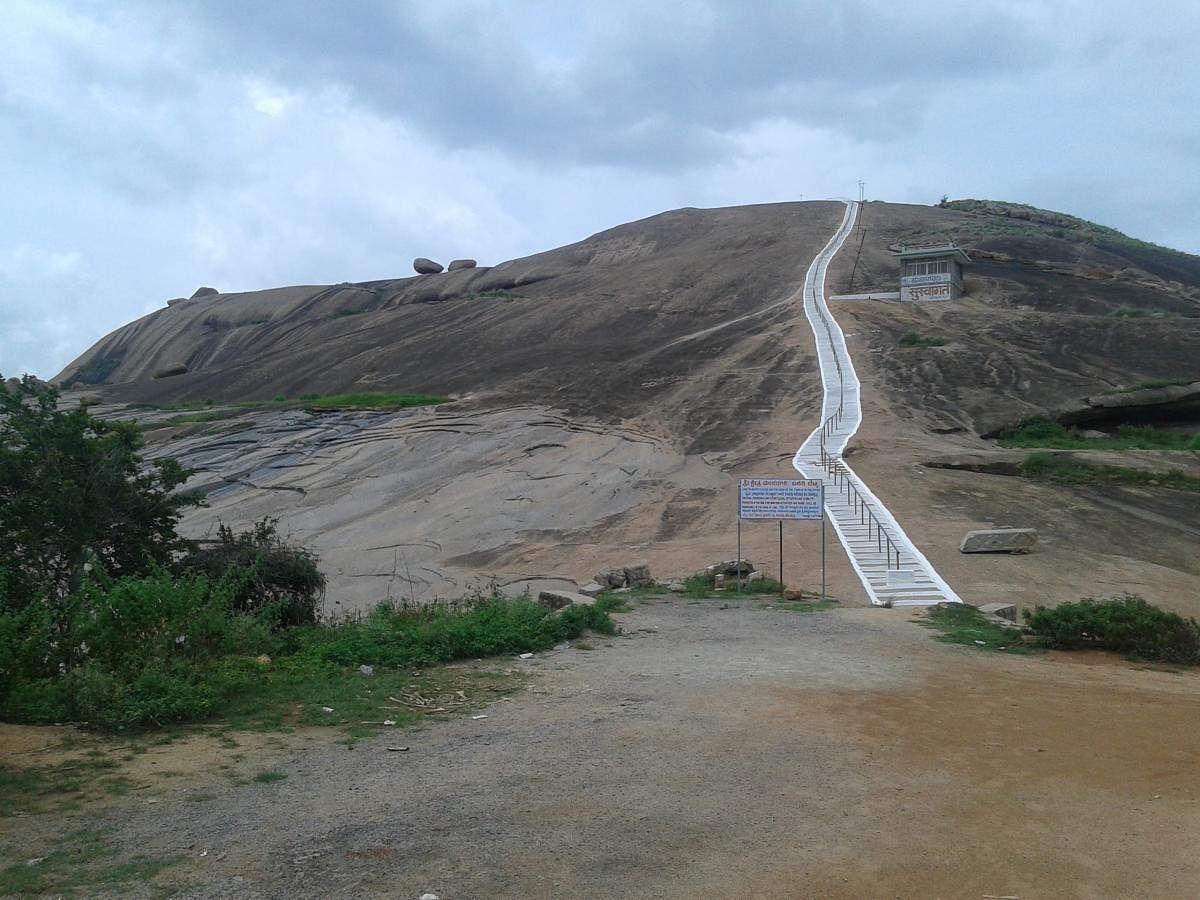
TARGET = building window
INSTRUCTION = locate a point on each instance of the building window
(927, 267)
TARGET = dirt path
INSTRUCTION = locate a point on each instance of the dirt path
(712, 752)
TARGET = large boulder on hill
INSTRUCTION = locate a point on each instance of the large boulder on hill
(175, 301)
(999, 540)
(169, 371)
(456, 264)
(424, 266)
(204, 292)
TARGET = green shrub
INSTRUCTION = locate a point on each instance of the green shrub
(402, 637)
(916, 339)
(268, 576)
(75, 493)
(1125, 624)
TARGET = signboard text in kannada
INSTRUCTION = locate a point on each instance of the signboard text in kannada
(779, 498)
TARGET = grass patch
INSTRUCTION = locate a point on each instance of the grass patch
(1061, 468)
(361, 400)
(39, 789)
(1045, 433)
(916, 339)
(215, 415)
(497, 294)
(86, 864)
(269, 776)
(311, 674)
(963, 624)
(381, 401)
(1126, 624)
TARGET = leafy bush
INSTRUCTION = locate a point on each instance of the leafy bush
(1126, 624)
(487, 626)
(148, 651)
(267, 574)
(124, 653)
(75, 492)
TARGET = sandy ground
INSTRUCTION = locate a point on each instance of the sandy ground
(713, 752)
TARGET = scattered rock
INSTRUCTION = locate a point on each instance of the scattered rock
(730, 568)
(1092, 434)
(565, 645)
(999, 540)
(263, 660)
(1002, 610)
(456, 264)
(638, 575)
(592, 589)
(430, 896)
(367, 670)
(204, 292)
(561, 599)
(791, 594)
(676, 587)
(397, 749)
(610, 578)
(171, 370)
(525, 656)
(424, 266)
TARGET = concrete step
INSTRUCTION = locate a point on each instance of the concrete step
(858, 517)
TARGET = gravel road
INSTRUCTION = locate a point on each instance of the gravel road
(740, 751)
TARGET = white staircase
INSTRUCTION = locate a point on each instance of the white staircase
(893, 571)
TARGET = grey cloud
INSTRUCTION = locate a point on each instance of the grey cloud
(663, 88)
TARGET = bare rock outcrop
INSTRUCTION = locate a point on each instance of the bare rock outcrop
(456, 264)
(204, 292)
(999, 540)
(170, 371)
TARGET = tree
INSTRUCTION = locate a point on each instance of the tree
(75, 492)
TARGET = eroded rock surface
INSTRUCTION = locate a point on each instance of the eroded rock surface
(419, 503)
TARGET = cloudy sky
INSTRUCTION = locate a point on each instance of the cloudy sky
(147, 148)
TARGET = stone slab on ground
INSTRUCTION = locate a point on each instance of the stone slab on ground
(561, 599)
(592, 589)
(1002, 610)
(999, 540)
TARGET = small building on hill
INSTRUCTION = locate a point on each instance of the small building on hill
(931, 273)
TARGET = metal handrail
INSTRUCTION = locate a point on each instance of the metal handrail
(838, 470)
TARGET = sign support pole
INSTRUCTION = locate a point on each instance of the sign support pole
(781, 557)
(738, 565)
(823, 517)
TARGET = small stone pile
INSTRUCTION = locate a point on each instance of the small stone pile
(623, 577)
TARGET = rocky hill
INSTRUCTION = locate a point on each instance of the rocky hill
(609, 393)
